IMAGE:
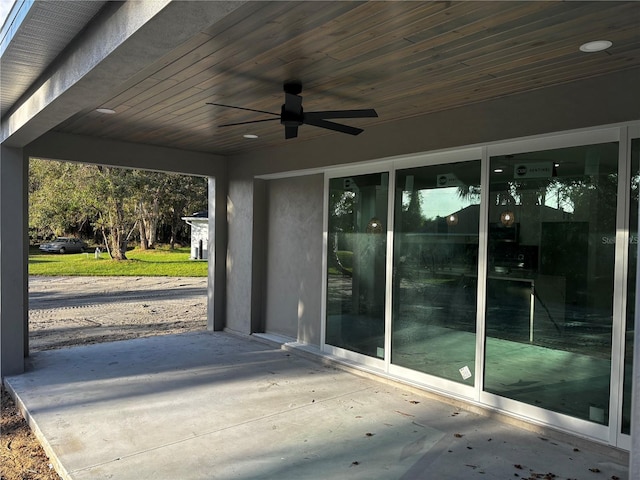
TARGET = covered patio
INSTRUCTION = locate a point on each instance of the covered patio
(216, 405)
(456, 86)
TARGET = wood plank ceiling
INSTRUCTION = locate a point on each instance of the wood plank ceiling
(401, 58)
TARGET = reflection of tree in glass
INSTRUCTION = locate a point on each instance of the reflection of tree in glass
(342, 207)
(412, 218)
(469, 193)
(341, 211)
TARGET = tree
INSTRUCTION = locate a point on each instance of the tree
(57, 198)
(66, 198)
(150, 187)
(114, 201)
(183, 195)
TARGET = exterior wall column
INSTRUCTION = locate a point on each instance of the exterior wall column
(14, 309)
(217, 254)
(246, 246)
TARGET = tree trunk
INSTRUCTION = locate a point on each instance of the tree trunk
(106, 242)
(175, 223)
(143, 236)
(174, 234)
(118, 237)
(153, 218)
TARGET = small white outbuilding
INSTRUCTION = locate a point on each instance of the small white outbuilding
(199, 223)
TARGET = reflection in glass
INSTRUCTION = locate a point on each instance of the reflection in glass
(631, 285)
(550, 279)
(356, 263)
(435, 269)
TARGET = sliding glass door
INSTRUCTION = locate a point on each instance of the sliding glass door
(356, 263)
(435, 270)
(496, 274)
(549, 302)
(631, 286)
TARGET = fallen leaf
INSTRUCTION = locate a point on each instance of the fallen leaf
(594, 470)
(415, 402)
(405, 414)
(518, 466)
(369, 434)
(458, 435)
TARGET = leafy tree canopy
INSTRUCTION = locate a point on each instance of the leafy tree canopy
(113, 205)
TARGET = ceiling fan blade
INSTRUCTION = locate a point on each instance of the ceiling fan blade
(247, 123)
(365, 113)
(243, 108)
(338, 127)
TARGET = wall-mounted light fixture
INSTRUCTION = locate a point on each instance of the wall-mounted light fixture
(452, 219)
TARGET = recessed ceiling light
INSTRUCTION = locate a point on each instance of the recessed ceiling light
(595, 46)
(498, 170)
(250, 136)
(108, 111)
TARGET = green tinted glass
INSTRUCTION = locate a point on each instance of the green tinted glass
(436, 269)
(356, 263)
(552, 219)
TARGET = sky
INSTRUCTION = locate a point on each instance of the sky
(5, 8)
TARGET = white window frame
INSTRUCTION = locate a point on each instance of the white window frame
(622, 133)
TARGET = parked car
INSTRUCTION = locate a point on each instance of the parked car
(64, 245)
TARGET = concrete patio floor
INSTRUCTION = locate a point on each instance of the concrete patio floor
(217, 406)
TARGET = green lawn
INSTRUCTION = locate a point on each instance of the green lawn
(150, 263)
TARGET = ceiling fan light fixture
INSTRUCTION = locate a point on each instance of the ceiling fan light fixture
(106, 111)
(250, 136)
(595, 46)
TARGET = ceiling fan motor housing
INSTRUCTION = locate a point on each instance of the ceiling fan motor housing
(289, 118)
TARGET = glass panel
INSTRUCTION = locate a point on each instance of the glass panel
(552, 217)
(436, 269)
(631, 285)
(357, 263)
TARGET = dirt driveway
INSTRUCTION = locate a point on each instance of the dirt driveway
(65, 311)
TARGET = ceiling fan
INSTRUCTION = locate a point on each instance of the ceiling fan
(292, 114)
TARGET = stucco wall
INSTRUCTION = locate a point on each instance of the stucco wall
(239, 255)
(294, 258)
